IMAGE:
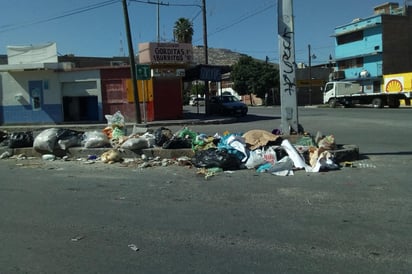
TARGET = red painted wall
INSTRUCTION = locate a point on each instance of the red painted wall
(167, 96)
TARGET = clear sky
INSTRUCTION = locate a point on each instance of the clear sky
(96, 27)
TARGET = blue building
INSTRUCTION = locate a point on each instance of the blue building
(366, 49)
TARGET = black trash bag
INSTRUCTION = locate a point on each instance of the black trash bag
(67, 138)
(21, 139)
(177, 142)
(3, 136)
(162, 135)
(214, 157)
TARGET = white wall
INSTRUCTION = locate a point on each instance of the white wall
(16, 83)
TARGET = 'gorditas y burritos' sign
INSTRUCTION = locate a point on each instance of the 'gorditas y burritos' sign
(165, 53)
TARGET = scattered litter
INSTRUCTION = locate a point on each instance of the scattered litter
(184, 161)
(128, 160)
(144, 165)
(365, 165)
(91, 157)
(209, 172)
(48, 157)
(5, 155)
(283, 173)
(77, 238)
(20, 156)
(89, 162)
(111, 156)
(347, 164)
(133, 247)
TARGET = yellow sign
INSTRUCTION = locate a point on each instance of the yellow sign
(142, 85)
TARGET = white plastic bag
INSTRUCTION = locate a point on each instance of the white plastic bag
(139, 142)
(255, 159)
(151, 139)
(269, 154)
(297, 159)
(46, 140)
(115, 120)
(95, 139)
(135, 143)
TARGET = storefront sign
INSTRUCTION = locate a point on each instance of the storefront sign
(165, 53)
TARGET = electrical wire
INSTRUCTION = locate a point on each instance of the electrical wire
(9, 27)
(239, 20)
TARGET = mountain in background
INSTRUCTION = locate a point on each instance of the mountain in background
(216, 56)
(222, 57)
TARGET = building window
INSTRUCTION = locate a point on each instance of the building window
(36, 94)
(45, 84)
(351, 63)
(36, 99)
(349, 37)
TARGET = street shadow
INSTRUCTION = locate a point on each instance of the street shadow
(234, 119)
(366, 156)
(254, 118)
(397, 153)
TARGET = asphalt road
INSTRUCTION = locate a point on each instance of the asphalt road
(72, 217)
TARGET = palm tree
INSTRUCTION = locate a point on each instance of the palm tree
(183, 31)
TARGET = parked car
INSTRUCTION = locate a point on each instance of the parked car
(227, 105)
(197, 101)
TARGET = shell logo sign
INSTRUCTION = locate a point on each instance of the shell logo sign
(394, 84)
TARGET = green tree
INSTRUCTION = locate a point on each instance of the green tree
(183, 31)
(251, 76)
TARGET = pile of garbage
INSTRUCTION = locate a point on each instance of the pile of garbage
(264, 151)
(259, 150)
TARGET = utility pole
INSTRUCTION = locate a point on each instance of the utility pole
(132, 63)
(287, 70)
(205, 31)
(158, 21)
(205, 54)
(310, 76)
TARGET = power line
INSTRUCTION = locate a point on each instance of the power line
(6, 28)
(241, 19)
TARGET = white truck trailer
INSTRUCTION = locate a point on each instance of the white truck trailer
(394, 89)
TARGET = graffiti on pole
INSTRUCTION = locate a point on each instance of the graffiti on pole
(288, 98)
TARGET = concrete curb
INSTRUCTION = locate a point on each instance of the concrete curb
(346, 153)
(342, 154)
